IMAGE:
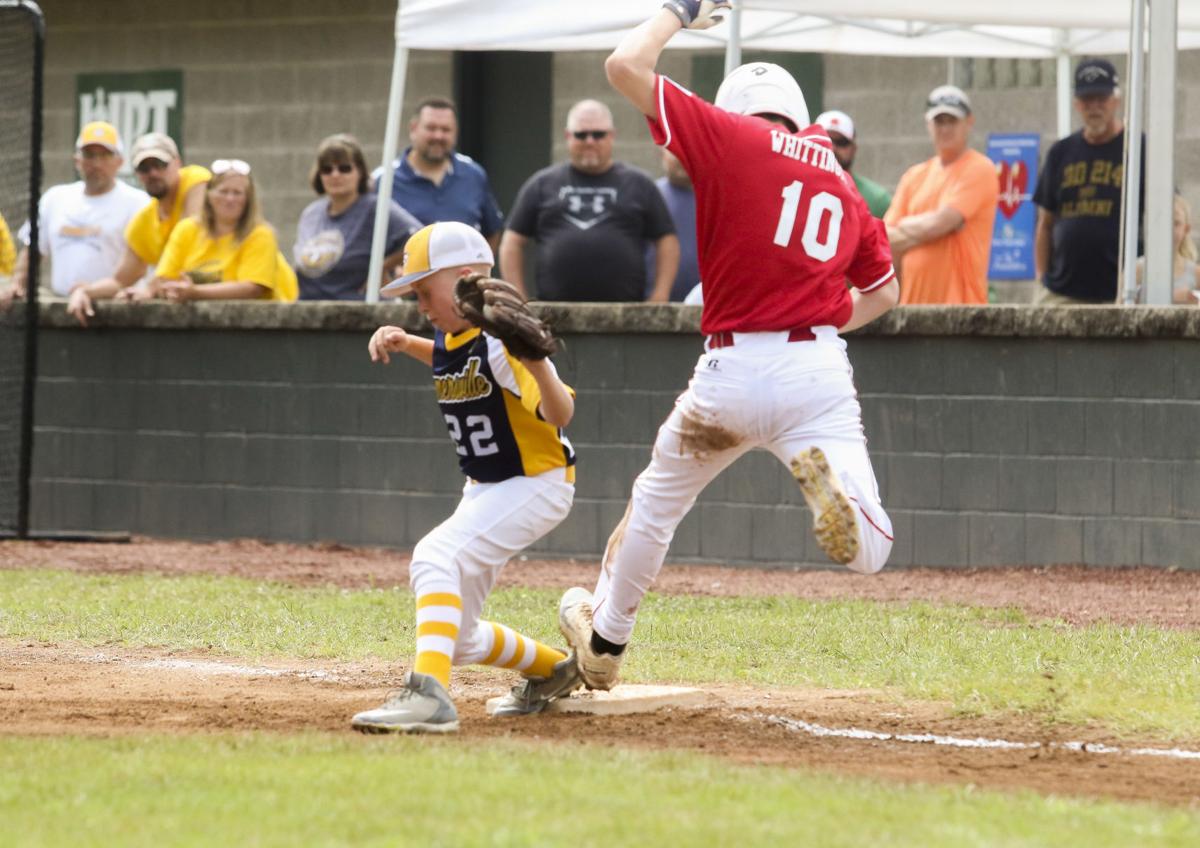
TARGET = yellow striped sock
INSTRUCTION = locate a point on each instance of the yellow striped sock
(510, 649)
(439, 616)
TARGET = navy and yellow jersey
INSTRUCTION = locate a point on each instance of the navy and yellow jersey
(490, 403)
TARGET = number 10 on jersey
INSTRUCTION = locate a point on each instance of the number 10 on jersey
(821, 204)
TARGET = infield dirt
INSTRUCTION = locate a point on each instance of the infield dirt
(60, 689)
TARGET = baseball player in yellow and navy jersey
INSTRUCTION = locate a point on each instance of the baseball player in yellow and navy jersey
(505, 417)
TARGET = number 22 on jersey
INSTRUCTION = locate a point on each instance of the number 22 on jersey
(819, 206)
(478, 432)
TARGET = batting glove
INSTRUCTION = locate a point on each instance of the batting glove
(697, 14)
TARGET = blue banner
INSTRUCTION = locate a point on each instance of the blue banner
(1016, 158)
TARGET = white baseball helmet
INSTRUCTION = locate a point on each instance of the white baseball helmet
(761, 88)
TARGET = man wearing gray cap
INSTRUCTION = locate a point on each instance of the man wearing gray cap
(176, 191)
(1079, 197)
(940, 221)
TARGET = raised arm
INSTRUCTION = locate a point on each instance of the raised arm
(630, 68)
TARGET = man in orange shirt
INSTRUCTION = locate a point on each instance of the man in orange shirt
(940, 221)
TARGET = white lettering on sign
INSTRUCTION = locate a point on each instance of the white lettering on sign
(133, 113)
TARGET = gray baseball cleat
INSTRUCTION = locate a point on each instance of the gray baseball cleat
(834, 522)
(421, 705)
(598, 670)
(533, 694)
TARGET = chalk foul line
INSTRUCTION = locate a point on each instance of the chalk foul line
(801, 726)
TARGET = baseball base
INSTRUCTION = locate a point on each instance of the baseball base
(623, 700)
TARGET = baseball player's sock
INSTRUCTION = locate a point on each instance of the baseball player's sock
(439, 615)
(510, 649)
(602, 646)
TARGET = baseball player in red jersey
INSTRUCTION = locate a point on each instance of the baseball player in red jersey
(780, 228)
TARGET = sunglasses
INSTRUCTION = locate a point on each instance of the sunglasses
(343, 168)
(952, 102)
(594, 135)
(224, 166)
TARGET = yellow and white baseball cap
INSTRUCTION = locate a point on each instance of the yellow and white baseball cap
(101, 133)
(446, 244)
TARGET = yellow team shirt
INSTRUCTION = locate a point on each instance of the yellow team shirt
(952, 269)
(147, 234)
(8, 251)
(255, 259)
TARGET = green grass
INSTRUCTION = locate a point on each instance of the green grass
(343, 790)
(1130, 679)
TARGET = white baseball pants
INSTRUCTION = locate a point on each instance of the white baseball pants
(492, 523)
(761, 392)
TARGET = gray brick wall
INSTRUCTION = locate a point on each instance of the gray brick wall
(267, 80)
(989, 449)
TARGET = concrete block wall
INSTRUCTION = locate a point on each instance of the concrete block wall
(264, 81)
(267, 80)
(989, 449)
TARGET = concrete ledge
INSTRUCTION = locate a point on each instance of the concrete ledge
(594, 318)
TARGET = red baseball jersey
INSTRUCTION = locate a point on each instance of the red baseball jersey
(780, 226)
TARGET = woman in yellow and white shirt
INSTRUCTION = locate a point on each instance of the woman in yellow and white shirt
(227, 252)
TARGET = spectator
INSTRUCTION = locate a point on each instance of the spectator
(1185, 289)
(8, 251)
(1078, 236)
(434, 183)
(591, 218)
(940, 221)
(81, 224)
(333, 238)
(840, 127)
(176, 191)
(676, 189)
(228, 252)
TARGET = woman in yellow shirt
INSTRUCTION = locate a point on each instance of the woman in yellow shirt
(228, 252)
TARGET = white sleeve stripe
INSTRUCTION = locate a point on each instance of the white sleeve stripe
(884, 279)
(662, 111)
(501, 369)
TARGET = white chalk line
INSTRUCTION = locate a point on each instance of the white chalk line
(204, 667)
(802, 726)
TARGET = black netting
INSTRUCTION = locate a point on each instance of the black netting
(20, 82)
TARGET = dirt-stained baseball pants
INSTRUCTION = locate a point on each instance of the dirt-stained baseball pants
(761, 392)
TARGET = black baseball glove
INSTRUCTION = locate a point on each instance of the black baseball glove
(499, 309)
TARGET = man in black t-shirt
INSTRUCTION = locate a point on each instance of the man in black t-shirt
(591, 218)
(1077, 242)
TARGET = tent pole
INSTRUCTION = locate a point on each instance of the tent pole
(733, 47)
(391, 136)
(1160, 153)
(1132, 182)
(1064, 85)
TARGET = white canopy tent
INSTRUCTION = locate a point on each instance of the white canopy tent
(1056, 29)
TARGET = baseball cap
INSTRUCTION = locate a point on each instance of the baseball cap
(1095, 76)
(947, 100)
(99, 132)
(838, 122)
(446, 244)
(153, 145)
(761, 88)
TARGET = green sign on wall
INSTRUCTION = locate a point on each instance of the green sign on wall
(135, 102)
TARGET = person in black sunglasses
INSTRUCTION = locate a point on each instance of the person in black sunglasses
(592, 218)
(333, 239)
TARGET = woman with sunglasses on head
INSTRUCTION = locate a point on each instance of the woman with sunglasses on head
(227, 252)
(333, 238)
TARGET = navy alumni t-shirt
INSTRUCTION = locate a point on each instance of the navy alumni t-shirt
(1080, 185)
(591, 231)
